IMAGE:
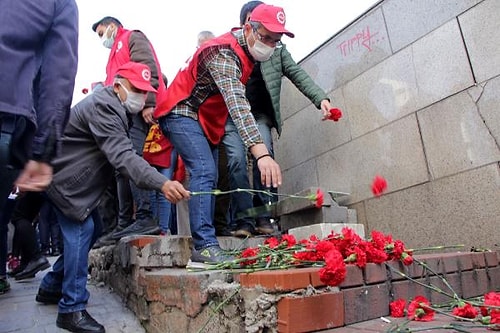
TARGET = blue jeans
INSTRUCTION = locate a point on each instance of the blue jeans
(200, 158)
(264, 125)
(160, 206)
(69, 272)
(238, 175)
(138, 133)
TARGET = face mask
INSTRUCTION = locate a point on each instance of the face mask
(108, 41)
(135, 101)
(260, 51)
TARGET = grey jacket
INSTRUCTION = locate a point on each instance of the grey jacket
(94, 144)
(281, 63)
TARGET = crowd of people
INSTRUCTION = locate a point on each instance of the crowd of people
(126, 159)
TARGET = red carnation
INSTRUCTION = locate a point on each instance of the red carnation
(319, 198)
(419, 309)
(289, 239)
(398, 308)
(249, 253)
(335, 114)
(406, 259)
(85, 91)
(272, 242)
(465, 311)
(379, 185)
(335, 271)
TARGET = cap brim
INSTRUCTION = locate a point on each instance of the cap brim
(277, 29)
(142, 86)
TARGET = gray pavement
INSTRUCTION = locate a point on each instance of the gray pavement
(19, 312)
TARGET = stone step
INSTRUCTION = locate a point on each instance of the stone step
(322, 230)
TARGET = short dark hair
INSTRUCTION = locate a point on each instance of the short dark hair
(248, 8)
(106, 21)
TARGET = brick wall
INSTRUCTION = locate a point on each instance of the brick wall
(366, 293)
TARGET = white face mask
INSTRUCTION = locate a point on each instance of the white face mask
(260, 51)
(108, 42)
(135, 101)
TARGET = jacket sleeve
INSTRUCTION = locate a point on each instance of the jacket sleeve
(301, 79)
(110, 133)
(53, 87)
(142, 51)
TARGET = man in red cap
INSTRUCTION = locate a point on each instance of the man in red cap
(95, 143)
(263, 92)
(208, 90)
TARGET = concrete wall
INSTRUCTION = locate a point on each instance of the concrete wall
(418, 82)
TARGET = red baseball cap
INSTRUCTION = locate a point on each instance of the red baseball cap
(272, 18)
(138, 74)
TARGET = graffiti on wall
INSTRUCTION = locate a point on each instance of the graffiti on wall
(363, 40)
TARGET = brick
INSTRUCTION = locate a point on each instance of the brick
(408, 289)
(474, 283)
(310, 313)
(453, 280)
(493, 278)
(176, 287)
(395, 266)
(478, 260)
(465, 261)
(353, 278)
(375, 273)
(277, 280)
(314, 278)
(491, 259)
(365, 303)
(141, 241)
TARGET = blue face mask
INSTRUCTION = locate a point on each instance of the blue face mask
(108, 42)
(135, 101)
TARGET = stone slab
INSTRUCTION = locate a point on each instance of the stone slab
(334, 214)
(322, 230)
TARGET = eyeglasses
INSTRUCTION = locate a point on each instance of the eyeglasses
(267, 39)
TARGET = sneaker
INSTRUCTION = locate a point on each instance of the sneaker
(209, 256)
(139, 227)
(244, 230)
(264, 226)
(4, 286)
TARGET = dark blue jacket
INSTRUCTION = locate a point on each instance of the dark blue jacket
(38, 63)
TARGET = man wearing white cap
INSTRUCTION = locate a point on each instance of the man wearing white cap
(95, 143)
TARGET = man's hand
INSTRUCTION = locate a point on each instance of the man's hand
(270, 172)
(35, 177)
(147, 115)
(325, 109)
(174, 191)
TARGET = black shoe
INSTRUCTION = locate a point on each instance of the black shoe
(244, 230)
(17, 270)
(140, 227)
(55, 253)
(264, 226)
(223, 232)
(79, 321)
(33, 267)
(48, 297)
(104, 241)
